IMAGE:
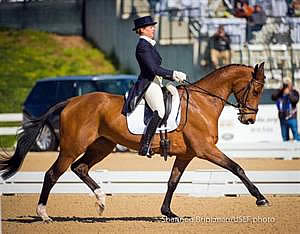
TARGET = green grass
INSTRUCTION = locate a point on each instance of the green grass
(27, 55)
(7, 141)
(10, 124)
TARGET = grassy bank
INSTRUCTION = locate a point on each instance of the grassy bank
(7, 141)
(27, 55)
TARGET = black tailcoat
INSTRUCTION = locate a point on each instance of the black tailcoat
(149, 61)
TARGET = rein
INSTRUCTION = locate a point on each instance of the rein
(240, 105)
(210, 94)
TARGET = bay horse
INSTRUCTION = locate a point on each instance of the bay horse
(92, 125)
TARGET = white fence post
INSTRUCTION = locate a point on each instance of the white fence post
(11, 117)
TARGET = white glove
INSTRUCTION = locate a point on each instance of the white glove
(179, 76)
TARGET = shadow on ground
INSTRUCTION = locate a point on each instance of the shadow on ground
(37, 219)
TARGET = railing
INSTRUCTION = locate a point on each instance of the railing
(276, 150)
(208, 183)
(133, 7)
(5, 131)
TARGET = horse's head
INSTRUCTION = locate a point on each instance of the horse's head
(248, 95)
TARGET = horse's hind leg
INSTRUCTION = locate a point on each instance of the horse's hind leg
(96, 152)
(57, 169)
(213, 154)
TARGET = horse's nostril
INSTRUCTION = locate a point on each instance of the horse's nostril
(251, 121)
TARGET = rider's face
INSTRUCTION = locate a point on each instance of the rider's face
(148, 31)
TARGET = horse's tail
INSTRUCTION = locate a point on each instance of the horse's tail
(30, 130)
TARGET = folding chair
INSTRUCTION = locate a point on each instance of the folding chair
(280, 59)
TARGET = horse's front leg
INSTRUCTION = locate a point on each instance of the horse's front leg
(177, 171)
(214, 155)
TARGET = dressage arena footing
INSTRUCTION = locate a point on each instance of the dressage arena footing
(141, 213)
(132, 213)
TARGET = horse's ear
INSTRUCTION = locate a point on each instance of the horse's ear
(256, 68)
(261, 66)
(254, 74)
(261, 71)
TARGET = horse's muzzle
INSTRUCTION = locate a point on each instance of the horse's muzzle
(247, 121)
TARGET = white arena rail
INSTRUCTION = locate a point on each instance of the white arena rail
(205, 183)
(10, 117)
(279, 150)
(5, 131)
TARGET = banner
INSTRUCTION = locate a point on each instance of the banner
(265, 129)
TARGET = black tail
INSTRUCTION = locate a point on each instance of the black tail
(9, 165)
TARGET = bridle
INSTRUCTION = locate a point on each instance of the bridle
(242, 102)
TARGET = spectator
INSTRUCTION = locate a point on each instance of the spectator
(286, 100)
(294, 8)
(295, 4)
(242, 9)
(220, 47)
(290, 8)
(255, 22)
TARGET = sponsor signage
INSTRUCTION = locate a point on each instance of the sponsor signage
(265, 129)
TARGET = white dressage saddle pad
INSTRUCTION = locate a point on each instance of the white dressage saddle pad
(135, 120)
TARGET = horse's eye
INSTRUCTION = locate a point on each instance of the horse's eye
(256, 92)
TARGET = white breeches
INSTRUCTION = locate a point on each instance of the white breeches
(154, 96)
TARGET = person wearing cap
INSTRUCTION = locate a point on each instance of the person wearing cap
(149, 82)
(286, 100)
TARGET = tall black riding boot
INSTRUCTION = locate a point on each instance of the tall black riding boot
(148, 135)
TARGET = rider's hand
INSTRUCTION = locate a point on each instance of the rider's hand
(179, 76)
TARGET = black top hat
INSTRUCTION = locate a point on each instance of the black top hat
(143, 22)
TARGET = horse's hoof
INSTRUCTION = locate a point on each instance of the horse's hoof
(41, 211)
(171, 217)
(47, 220)
(262, 202)
(99, 207)
(100, 203)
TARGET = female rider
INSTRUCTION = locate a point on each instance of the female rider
(149, 82)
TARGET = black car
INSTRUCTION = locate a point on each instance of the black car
(47, 92)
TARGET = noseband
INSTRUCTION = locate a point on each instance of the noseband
(242, 103)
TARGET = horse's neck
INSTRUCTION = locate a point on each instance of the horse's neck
(219, 86)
